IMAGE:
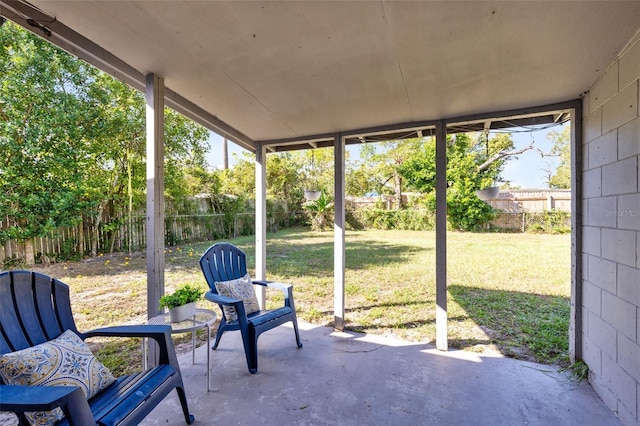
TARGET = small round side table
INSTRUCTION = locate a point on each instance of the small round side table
(204, 318)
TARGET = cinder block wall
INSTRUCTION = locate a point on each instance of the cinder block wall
(611, 235)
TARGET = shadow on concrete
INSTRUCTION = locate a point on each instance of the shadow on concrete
(354, 379)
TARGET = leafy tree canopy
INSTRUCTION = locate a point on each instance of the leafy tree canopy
(288, 174)
(472, 164)
(73, 140)
(42, 184)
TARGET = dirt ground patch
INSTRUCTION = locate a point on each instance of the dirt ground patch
(112, 290)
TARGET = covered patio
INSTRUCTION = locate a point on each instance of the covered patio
(351, 379)
(277, 76)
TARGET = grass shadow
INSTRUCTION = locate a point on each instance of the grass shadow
(315, 258)
(296, 252)
(521, 325)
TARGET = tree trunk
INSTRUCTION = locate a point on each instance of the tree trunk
(398, 187)
(95, 231)
(114, 235)
(80, 247)
(29, 253)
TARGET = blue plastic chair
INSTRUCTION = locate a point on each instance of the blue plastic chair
(225, 262)
(35, 308)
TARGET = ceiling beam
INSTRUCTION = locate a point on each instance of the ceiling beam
(523, 117)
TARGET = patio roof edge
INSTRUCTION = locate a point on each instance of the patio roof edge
(477, 122)
(208, 120)
(39, 23)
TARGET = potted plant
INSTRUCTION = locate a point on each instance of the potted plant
(488, 193)
(182, 303)
(311, 194)
(311, 191)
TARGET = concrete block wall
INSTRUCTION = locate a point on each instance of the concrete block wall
(611, 235)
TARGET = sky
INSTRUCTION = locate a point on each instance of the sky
(214, 156)
(527, 171)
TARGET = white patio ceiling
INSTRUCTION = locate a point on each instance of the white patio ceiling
(267, 71)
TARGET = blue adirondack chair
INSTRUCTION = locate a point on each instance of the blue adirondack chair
(34, 309)
(225, 262)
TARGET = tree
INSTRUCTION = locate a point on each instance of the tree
(316, 169)
(239, 180)
(43, 115)
(74, 143)
(284, 180)
(319, 212)
(358, 182)
(472, 164)
(384, 161)
(184, 155)
(561, 148)
(468, 171)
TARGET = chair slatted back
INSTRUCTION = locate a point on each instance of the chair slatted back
(223, 262)
(34, 308)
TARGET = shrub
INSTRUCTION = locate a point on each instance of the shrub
(550, 221)
(372, 218)
(319, 212)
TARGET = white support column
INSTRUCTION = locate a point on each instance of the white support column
(441, 237)
(339, 233)
(261, 221)
(155, 198)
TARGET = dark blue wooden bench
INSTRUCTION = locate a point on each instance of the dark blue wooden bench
(35, 308)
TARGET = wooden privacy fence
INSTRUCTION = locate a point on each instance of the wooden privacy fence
(73, 242)
(552, 221)
(532, 200)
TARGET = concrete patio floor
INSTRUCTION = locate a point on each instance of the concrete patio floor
(350, 379)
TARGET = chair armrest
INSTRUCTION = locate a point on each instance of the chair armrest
(272, 284)
(222, 300)
(71, 399)
(287, 290)
(150, 331)
(228, 301)
(160, 333)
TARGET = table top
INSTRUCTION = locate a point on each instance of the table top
(202, 318)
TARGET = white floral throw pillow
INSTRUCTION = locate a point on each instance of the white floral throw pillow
(241, 288)
(64, 361)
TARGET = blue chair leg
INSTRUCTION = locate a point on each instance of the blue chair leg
(252, 359)
(249, 341)
(185, 409)
(218, 336)
(295, 328)
(252, 351)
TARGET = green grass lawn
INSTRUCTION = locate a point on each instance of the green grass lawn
(507, 292)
